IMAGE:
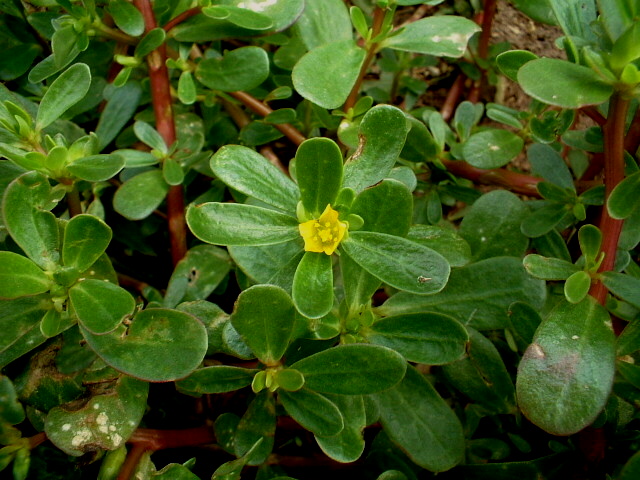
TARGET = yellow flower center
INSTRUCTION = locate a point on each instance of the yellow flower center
(323, 234)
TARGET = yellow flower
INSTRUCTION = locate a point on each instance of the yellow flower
(323, 234)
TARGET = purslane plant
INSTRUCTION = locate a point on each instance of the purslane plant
(365, 281)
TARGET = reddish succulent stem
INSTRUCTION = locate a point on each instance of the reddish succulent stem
(378, 18)
(489, 11)
(613, 174)
(192, 12)
(73, 202)
(517, 182)
(259, 108)
(453, 96)
(162, 106)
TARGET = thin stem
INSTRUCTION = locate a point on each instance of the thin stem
(514, 181)
(73, 202)
(489, 11)
(163, 110)
(131, 462)
(260, 108)
(613, 174)
(378, 19)
(192, 12)
(454, 94)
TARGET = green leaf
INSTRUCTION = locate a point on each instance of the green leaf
(624, 199)
(242, 17)
(548, 268)
(257, 424)
(197, 275)
(239, 224)
(120, 107)
(319, 173)
(20, 326)
(566, 374)
(312, 288)
(567, 85)
(264, 316)
(160, 345)
(539, 10)
(492, 148)
(440, 36)
(172, 172)
(326, 74)
(575, 17)
(429, 338)
(492, 226)
(478, 295)
(523, 322)
(100, 306)
(249, 172)
(547, 163)
(624, 286)
(150, 136)
(25, 209)
(323, 22)
(353, 369)
(241, 69)
(96, 168)
(216, 379)
(152, 40)
(382, 134)
(348, 445)
(446, 242)
(385, 208)
(313, 411)
(543, 220)
(64, 92)
(20, 277)
(482, 375)
(590, 239)
(127, 17)
(11, 410)
(577, 286)
(398, 262)
(105, 422)
(274, 264)
(85, 239)
(139, 196)
(510, 62)
(419, 421)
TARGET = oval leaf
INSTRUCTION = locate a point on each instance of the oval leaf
(566, 374)
(326, 74)
(313, 411)
(100, 306)
(216, 379)
(429, 338)
(20, 277)
(241, 69)
(624, 199)
(558, 82)
(319, 173)
(440, 36)
(160, 345)
(64, 92)
(264, 316)
(85, 238)
(239, 224)
(312, 289)
(249, 172)
(139, 196)
(492, 148)
(354, 369)
(398, 262)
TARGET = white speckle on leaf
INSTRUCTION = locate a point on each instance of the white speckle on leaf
(575, 337)
(494, 148)
(535, 351)
(483, 239)
(81, 436)
(102, 418)
(66, 427)
(117, 439)
(112, 428)
(257, 5)
(96, 406)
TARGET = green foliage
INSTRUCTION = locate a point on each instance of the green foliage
(253, 203)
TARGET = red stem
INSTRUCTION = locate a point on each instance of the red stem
(378, 18)
(613, 174)
(489, 11)
(453, 96)
(192, 12)
(162, 107)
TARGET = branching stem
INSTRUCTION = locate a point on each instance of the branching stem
(162, 106)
